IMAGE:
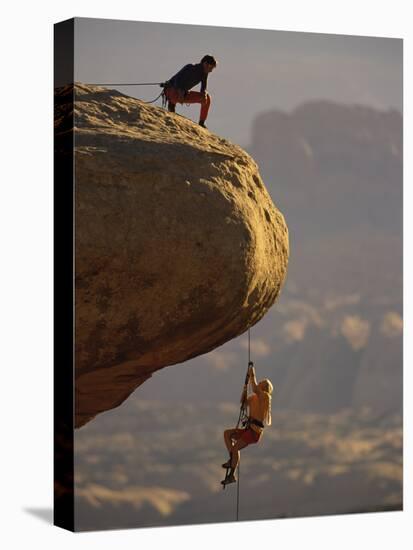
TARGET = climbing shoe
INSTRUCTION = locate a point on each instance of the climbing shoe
(171, 107)
(227, 464)
(202, 123)
(229, 479)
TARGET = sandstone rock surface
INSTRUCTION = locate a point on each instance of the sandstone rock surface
(178, 246)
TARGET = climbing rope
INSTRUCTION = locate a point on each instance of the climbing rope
(249, 347)
(243, 409)
(153, 101)
(243, 416)
(161, 84)
(128, 84)
(239, 470)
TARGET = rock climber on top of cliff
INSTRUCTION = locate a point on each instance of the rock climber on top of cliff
(177, 88)
(259, 405)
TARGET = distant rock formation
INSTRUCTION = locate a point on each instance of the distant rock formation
(179, 247)
(334, 168)
(337, 173)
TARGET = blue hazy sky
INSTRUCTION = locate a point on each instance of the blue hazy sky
(258, 70)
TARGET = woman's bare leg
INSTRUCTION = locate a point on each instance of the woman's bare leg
(235, 454)
(229, 435)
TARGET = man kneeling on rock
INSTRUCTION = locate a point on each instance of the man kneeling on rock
(177, 88)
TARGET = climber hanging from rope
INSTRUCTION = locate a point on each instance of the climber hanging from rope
(258, 404)
(176, 89)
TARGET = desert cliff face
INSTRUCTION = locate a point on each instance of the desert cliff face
(179, 247)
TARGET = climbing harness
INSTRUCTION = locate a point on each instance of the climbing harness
(243, 420)
(161, 84)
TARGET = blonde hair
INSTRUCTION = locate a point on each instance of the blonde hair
(266, 390)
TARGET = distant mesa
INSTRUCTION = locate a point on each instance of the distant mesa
(179, 247)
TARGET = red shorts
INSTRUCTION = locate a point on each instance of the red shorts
(178, 96)
(250, 436)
